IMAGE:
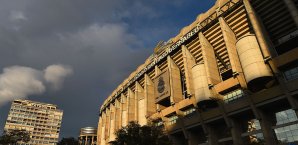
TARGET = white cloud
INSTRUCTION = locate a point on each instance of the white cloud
(20, 82)
(55, 75)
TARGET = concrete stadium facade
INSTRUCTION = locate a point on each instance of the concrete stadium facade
(230, 77)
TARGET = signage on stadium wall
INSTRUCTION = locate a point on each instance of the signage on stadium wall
(158, 58)
(162, 86)
(174, 46)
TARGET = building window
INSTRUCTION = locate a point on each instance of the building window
(289, 133)
(291, 74)
(234, 95)
(189, 111)
(183, 85)
(173, 119)
(159, 123)
(285, 133)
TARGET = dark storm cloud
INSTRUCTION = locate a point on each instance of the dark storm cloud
(89, 37)
(101, 40)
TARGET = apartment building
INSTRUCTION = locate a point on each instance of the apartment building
(42, 120)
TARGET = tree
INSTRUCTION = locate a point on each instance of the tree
(14, 136)
(68, 141)
(135, 134)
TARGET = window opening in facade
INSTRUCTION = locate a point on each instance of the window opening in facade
(233, 96)
(226, 74)
(288, 133)
(173, 119)
(189, 111)
(158, 122)
(184, 87)
(291, 73)
(287, 43)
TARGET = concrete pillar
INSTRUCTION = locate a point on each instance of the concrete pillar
(178, 140)
(103, 140)
(224, 114)
(175, 81)
(174, 139)
(236, 132)
(293, 10)
(124, 113)
(233, 124)
(99, 127)
(130, 105)
(149, 96)
(103, 130)
(107, 124)
(189, 61)
(180, 123)
(112, 122)
(212, 135)
(140, 106)
(192, 138)
(203, 124)
(118, 113)
(267, 121)
(210, 61)
(262, 36)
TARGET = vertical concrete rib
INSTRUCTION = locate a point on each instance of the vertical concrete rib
(210, 61)
(261, 34)
(112, 122)
(108, 124)
(130, 105)
(230, 41)
(189, 62)
(175, 81)
(149, 97)
(104, 120)
(117, 114)
(124, 114)
(99, 130)
(103, 129)
(157, 70)
(140, 106)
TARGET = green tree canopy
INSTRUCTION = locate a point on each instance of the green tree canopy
(135, 134)
(14, 136)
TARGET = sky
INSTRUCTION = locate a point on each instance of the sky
(74, 53)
